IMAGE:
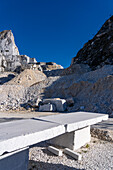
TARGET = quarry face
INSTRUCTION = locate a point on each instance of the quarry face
(87, 83)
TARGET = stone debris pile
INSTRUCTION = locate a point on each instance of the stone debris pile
(90, 91)
(27, 78)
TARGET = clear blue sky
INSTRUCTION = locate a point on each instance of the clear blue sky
(53, 30)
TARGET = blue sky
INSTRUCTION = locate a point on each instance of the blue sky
(53, 30)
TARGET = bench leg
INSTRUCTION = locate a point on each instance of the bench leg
(73, 140)
(17, 160)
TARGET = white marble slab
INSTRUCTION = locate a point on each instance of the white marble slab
(76, 120)
(22, 133)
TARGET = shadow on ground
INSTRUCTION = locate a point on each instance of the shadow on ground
(108, 124)
(9, 119)
(53, 73)
(35, 165)
(6, 79)
(39, 165)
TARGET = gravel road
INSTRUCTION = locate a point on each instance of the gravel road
(98, 155)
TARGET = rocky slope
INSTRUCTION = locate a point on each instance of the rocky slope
(92, 91)
(98, 51)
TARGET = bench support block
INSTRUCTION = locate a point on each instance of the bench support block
(73, 140)
(17, 160)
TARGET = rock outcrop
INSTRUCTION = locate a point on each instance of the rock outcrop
(7, 44)
(98, 51)
(10, 59)
(8, 50)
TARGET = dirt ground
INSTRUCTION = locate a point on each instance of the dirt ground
(11, 115)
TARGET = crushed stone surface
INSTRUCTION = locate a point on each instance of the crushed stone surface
(97, 155)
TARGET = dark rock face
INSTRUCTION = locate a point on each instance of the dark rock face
(98, 51)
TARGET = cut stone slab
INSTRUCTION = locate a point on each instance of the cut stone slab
(54, 150)
(81, 137)
(73, 154)
(73, 140)
(47, 108)
(59, 103)
(76, 120)
(77, 127)
(17, 160)
(22, 133)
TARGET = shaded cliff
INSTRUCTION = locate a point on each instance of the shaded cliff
(98, 51)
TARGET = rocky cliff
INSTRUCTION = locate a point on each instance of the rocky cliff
(10, 59)
(98, 51)
(7, 44)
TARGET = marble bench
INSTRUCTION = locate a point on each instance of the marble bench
(70, 130)
(77, 128)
